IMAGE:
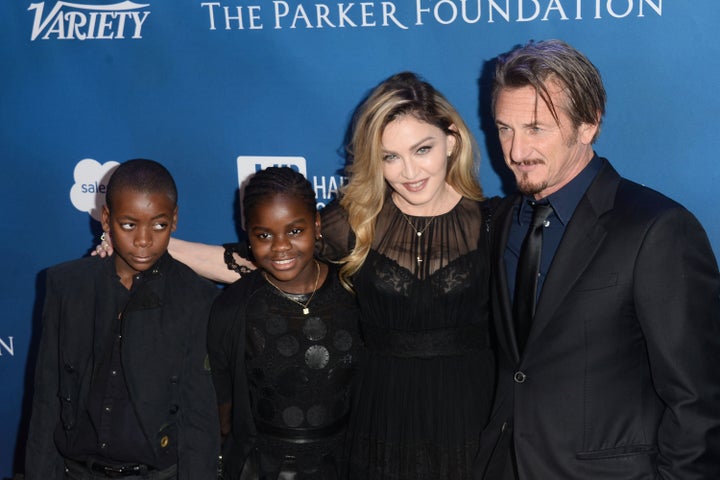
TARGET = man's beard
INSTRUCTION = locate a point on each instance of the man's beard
(522, 179)
(528, 188)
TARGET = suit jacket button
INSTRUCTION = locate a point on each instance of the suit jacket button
(519, 377)
(164, 441)
(69, 368)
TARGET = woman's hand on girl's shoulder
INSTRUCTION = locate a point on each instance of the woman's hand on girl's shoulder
(105, 247)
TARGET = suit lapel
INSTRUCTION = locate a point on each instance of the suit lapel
(503, 311)
(582, 238)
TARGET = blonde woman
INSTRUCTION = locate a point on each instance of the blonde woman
(419, 267)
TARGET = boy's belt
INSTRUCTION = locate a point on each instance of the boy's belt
(114, 471)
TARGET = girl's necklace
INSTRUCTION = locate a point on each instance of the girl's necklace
(305, 309)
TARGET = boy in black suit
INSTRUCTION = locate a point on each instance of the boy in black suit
(122, 387)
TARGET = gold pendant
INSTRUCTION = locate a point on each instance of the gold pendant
(306, 311)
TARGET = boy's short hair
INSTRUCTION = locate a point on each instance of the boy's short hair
(141, 175)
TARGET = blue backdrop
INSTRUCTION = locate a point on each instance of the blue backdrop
(214, 88)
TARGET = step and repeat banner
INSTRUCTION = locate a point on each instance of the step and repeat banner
(217, 89)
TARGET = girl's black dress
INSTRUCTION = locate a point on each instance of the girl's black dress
(287, 376)
(424, 392)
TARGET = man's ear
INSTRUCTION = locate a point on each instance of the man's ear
(587, 132)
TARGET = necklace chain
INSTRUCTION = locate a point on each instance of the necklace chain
(419, 233)
(305, 309)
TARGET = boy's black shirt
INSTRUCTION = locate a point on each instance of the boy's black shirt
(109, 429)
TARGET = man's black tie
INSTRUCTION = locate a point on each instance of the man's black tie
(527, 274)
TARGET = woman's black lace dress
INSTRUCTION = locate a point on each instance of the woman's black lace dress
(424, 391)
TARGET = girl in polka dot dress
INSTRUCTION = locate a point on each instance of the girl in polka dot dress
(283, 343)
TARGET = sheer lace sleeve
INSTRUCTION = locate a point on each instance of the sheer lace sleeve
(241, 249)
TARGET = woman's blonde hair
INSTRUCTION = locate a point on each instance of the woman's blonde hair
(364, 196)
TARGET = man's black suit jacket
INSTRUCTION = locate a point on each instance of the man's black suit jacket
(620, 378)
